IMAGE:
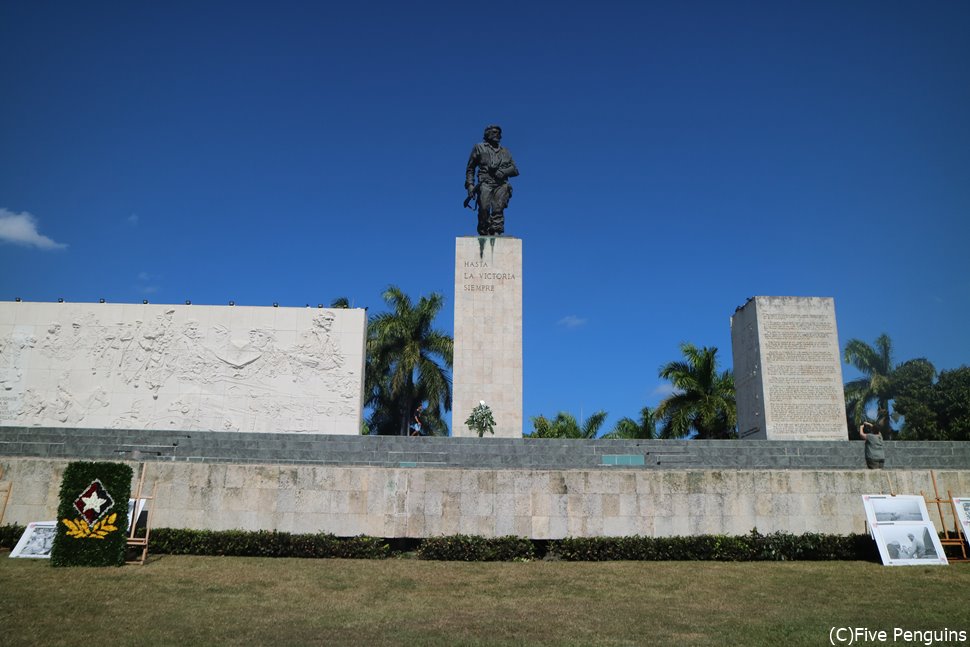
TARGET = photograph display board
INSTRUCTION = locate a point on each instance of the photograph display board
(136, 510)
(903, 530)
(36, 541)
(962, 506)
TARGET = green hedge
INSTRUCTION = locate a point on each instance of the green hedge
(754, 546)
(751, 547)
(10, 534)
(102, 542)
(263, 543)
(466, 548)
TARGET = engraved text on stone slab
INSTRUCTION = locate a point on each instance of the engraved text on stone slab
(788, 371)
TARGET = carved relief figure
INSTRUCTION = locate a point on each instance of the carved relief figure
(223, 380)
(11, 366)
(316, 348)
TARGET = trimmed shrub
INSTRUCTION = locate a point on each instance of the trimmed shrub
(754, 546)
(751, 547)
(92, 515)
(10, 534)
(467, 548)
(264, 543)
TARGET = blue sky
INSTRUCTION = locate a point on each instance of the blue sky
(676, 158)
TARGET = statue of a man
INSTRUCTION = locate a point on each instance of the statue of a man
(495, 167)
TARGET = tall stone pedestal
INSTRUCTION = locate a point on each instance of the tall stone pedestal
(787, 369)
(488, 332)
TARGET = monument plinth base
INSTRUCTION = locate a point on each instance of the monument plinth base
(488, 332)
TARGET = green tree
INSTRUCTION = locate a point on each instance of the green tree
(951, 403)
(932, 411)
(704, 401)
(913, 395)
(627, 428)
(408, 362)
(876, 384)
(564, 425)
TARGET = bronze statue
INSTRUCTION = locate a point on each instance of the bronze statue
(492, 190)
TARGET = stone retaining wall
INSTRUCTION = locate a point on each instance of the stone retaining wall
(536, 503)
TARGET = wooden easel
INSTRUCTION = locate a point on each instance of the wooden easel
(142, 542)
(957, 539)
(892, 490)
(4, 495)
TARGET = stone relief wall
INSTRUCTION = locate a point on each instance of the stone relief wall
(193, 367)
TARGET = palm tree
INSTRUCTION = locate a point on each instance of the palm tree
(704, 401)
(408, 362)
(876, 386)
(630, 429)
(564, 425)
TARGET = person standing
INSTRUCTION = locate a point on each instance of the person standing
(875, 447)
(417, 428)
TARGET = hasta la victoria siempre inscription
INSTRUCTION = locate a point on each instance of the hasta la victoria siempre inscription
(480, 277)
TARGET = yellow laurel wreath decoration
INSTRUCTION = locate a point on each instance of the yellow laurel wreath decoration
(79, 528)
(101, 529)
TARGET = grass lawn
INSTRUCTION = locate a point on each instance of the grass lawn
(258, 601)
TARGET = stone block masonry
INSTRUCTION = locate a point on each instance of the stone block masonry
(534, 503)
(488, 332)
(787, 369)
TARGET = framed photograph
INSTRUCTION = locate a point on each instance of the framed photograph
(962, 505)
(137, 513)
(36, 541)
(909, 544)
(903, 530)
(883, 508)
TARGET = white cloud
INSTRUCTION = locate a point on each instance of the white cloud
(133, 219)
(664, 390)
(146, 283)
(571, 321)
(21, 229)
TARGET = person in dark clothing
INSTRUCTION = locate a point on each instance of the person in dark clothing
(417, 428)
(495, 166)
(875, 448)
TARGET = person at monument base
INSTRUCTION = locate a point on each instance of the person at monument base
(493, 191)
(875, 448)
(417, 427)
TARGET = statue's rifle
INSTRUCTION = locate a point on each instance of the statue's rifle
(471, 202)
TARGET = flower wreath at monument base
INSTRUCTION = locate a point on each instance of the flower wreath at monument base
(92, 515)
